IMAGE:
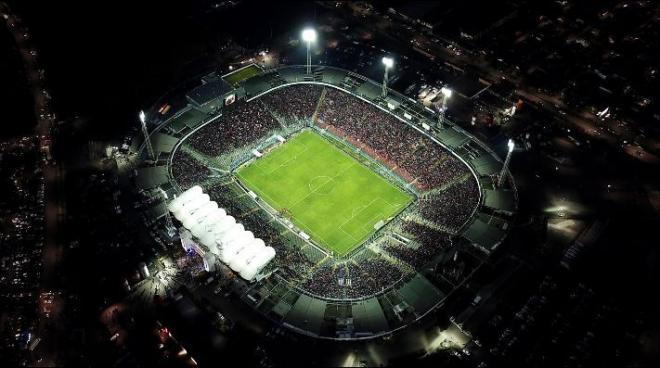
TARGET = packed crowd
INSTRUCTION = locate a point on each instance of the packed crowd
(240, 125)
(431, 243)
(452, 207)
(290, 260)
(297, 101)
(412, 155)
(353, 280)
(187, 171)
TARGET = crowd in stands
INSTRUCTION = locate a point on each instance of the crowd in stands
(239, 125)
(297, 101)
(431, 243)
(406, 151)
(187, 171)
(227, 199)
(452, 207)
(290, 260)
(353, 280)
(411, 154)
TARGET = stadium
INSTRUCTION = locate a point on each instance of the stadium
(376, 209)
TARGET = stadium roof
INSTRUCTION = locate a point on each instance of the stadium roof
(149, 177)
(484, 234)
(189, 118)
(209, 91)
(502, 200)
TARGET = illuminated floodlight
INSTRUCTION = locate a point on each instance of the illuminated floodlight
(309, 35)
(446, 92)
(388, 62)
(505, 167)
(142, 116)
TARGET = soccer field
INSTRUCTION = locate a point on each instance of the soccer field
(326, 193)
(242, 74)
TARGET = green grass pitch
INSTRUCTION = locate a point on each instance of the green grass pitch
(328, 194)
(242, 74)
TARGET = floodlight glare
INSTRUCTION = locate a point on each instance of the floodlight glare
(142, 116)
(309, 35)
(388, 62)
(446, 92)
(511, 145)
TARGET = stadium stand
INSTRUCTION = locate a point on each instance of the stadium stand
(412, 155)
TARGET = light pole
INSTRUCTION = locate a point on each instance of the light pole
(505, 167)
(446, 94)
(145, 132)
(309, 36)
(168, 218)
(388, 62)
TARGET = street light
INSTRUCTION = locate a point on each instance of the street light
(309, 36)
(388, 62)
(511, 145)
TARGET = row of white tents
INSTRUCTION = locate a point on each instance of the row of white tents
(220, 233)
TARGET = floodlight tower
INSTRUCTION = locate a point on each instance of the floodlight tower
(446, 94)
(309, 36)
(388, 62)
(505, 167)
(171, 230)
(147, 140)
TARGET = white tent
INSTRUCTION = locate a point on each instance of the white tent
(220, 233)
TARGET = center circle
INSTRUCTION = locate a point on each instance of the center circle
(321, 185)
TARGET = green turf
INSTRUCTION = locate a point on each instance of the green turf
(242, 74)
(327, 193)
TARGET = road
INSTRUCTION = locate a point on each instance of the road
(51, 328)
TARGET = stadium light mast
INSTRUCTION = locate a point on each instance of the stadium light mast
(446, 94)
(309, 36)
(388, 62)
(147, 140)
(505, 167)
(169, 225)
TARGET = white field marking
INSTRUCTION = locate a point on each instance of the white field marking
(306, 228)
(369, 228)
(331, 178)
(264, 173)
(287, 162)
(381, 215)
(260, 193)
(316, 177)
(341, 227)
(352, 237)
